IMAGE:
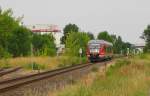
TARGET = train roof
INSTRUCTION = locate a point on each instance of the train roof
(100, 42)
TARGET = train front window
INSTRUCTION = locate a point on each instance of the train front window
(94, 48)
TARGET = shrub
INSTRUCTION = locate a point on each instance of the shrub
(75, 41)
(44, 45)
(5, 63)
(143, 56)
(119, 63)
(69, 61)
(35, 66)
(95, 69)
(4, 53)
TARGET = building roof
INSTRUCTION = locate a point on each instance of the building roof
(43, 28)
(139, 45)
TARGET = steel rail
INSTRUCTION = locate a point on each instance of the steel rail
(8, 71)
(1, 69)
(16, 82)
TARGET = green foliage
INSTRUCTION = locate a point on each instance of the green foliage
(44, 45)
(35, 66)
(146, 37)
(95, 69)
(119, 63)
(125, 79)
(7, 25)
(69, 61)
(5, 64)
(16, 40)
(118, 45)
(104, 36)
(82, 90)
(75, 41)
(125, 46)
(68, 29)
(4, 53)
(144, 56)
(20, 42)
(91, 36)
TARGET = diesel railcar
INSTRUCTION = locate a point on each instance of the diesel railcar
(98, 50)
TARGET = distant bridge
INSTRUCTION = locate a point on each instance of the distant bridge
(142, 45)
(139, 47)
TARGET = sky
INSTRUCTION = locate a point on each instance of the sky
(127, 18)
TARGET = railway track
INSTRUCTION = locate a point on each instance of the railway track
(20, 81)
(1, 69)
(8, 71)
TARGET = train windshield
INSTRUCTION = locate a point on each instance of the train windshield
(94, 48)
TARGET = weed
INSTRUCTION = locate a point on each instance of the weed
(35, 66)
(70, 61)
(41, 62)
(119, 63)
(95, 69)
(135, 84)
(5, 64)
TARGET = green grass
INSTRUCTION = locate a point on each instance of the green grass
(5, 64)
(35, 66)
(119, 63)
(143, 56)
(42, 62)
(128, 77)
(69, 61)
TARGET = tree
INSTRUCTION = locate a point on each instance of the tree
(75, 41)
(44, 44)
(7, 25)
(146, 37)
(127, 45)
(91, 36)
(20, 42)
(105, 36)
(117, 45)
(114, 38)
(68, 29)
(16, 40)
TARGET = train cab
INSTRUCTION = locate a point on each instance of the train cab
(98, 50)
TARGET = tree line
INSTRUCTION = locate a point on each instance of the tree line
(16, 40)
(119, 46)
(74, 40)
(146, 37)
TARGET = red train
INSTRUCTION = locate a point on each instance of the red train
(98, 50)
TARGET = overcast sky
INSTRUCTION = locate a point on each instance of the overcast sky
(127, 18)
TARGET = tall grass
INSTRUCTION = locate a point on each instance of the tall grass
(143, 56)
(69, 61)
(128, 77)
(43, 63)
